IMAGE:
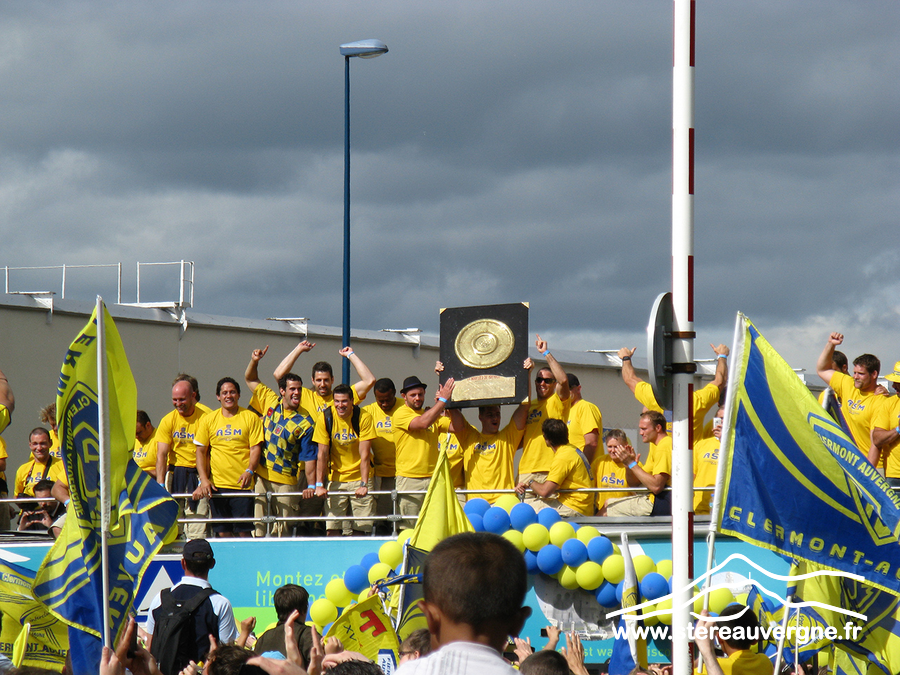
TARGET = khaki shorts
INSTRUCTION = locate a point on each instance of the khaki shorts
(280, 507)
(342, 505)
(410, 505)
(634, 505)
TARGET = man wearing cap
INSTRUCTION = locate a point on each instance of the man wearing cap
(885, 434)
(857, 394)
(415, 441)
(214, 617)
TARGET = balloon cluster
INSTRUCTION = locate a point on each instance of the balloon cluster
(579, 557)
(354, 585)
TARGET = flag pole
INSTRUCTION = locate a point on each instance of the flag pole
(103, 436)
(791, 591)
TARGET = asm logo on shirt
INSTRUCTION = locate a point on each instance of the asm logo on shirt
(859, 406)
(228, 431)
(344, 436)
(483, 448)
(182, 435)
(384, 424)
(534, 415)
(612, 481)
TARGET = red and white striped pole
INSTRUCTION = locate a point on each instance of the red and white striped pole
(683, 343)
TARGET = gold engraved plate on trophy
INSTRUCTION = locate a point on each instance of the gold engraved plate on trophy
(481, 387)
(484, 343)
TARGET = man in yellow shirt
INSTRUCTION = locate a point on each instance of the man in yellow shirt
(228, 448)
(737, 629)
(488, 454)
(585, 420)
(145, 443)
(609, 473)
(656, 475)
(7, 402)
(415, 439)
(344, 433)
(570, 470)
(885, 448)
(41, 466)
(384, 453)
(857, 394)
(552, 402)
(703, 399)
(706, 463)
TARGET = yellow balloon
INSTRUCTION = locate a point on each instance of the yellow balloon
(568, 578)
(643, 565)
(653, 620)
(664, 567)
(616, 548)
(698, 600)
(517, 539)
(586, 533)
(323, 611)
(378, 571)
(561, 532)
(535, 537)
(391, 553)
(336, 591)
(614, 568)
(506, 502)
(719, 599)
(589, 575)
(403, 536)
(363, 596)
(666, 605)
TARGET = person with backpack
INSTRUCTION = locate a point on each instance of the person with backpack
(344, 433)
(181, 619)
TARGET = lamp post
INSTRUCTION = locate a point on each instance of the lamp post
(364, 49)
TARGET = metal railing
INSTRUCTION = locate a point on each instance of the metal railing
(64, 269)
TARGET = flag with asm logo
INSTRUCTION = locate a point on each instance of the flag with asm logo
(793, 481)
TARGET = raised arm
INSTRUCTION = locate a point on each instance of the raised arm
(628, 375)
(251, 375)
(430, 416)
(721, 376)
(562, 382)
(6, 395)
(826, 358)
(520, 415)
(288, 361)
(366, 378)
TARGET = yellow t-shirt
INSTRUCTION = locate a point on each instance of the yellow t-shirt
(584, 417)
(345, 459)
(489, 459)
(703, 400)
(454, 450)
(706, 462)
(4, 418)
(3, 455)
(229, 440)
(55, 448)
(608, 474)
(536, 455)
(417, 451)
(145, 453)
(744, 662)
(859, 409)
(31, 473)
(384, 453)
(569, 472)
(659, 460)
(886, 417)
(179, 433)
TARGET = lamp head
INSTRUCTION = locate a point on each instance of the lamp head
(364, 49)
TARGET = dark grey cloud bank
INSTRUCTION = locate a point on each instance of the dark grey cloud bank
(501, 152)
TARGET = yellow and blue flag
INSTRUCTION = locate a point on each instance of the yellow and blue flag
(140, 513)
(45, 641)
(366, 628)
(630, 651)
(793, 481)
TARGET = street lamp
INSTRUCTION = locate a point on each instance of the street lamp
(364, 49)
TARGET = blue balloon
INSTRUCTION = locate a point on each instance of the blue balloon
(522, 515)
(606, 594)
(496, 520)
(549, 559)
(548, 516)
(574, 552)
(356, 578)
(531, 562)
(599, 549)
(654, 585)
(369, 559)
(477, 522)
(477, 505)
(620, 588)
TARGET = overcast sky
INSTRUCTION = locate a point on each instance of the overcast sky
(502, 152)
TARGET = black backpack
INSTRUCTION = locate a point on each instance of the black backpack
(174, 633)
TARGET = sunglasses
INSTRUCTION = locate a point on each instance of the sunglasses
(546, 380)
